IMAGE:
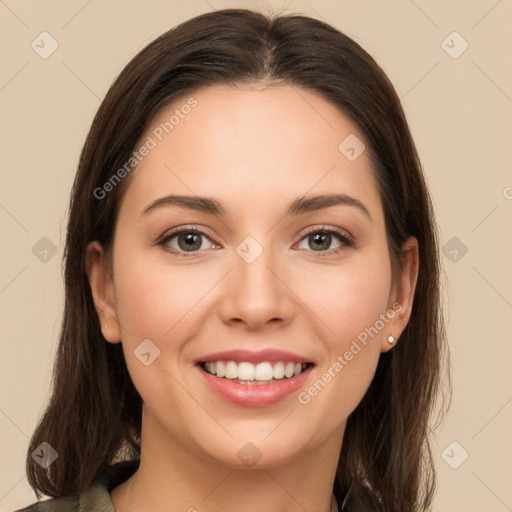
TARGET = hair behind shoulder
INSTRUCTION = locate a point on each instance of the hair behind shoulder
(93, 418)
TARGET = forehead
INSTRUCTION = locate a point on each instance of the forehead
(251, 145)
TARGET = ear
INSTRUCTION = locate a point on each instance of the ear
(402, 293)
(102, 288)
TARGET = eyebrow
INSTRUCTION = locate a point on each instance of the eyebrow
(298, 206)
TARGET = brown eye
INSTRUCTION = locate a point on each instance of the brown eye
(185, 241)
(321, 240)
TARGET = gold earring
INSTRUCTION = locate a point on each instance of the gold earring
(391, 340)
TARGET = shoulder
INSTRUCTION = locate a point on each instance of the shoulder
(95, 499)
(68, 504)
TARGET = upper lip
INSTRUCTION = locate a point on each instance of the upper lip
(269, 354)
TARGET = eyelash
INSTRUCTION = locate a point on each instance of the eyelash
(346, 240)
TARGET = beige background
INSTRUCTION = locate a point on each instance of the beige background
(459, 110)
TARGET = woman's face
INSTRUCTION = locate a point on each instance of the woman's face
(265, 275)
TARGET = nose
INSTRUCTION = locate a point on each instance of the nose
(256, 293)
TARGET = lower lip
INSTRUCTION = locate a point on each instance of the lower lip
(254, 395)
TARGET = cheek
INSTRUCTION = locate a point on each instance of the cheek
(362, 298)
(354, 307)
(154, 299)
(348, 298)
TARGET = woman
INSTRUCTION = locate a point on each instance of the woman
(252, 316)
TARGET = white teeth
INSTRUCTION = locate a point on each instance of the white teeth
(245, 371)
(278, 371)
(221, 369)
(261, 373)
(231, 370)
(289, 370)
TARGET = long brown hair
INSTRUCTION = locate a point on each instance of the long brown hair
(93, 418)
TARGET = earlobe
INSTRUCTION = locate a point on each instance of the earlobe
(102, 291)
(402, 294)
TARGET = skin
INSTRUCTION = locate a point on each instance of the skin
(255, 149)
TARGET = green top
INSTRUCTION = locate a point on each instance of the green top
(97, 497)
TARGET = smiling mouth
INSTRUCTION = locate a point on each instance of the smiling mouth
(254, 374)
